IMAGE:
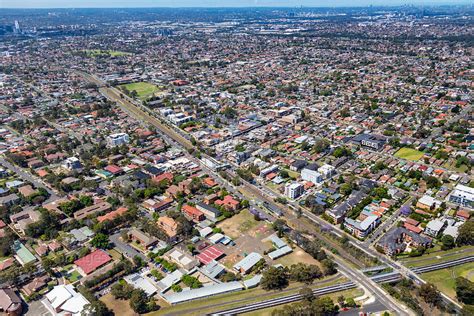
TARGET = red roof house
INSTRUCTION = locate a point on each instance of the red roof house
(93, 261)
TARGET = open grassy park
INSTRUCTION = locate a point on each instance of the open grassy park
(144, 90)
(445, 280)
(409, 154)
(100, 52)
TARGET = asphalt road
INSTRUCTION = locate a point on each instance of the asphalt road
(29, 177)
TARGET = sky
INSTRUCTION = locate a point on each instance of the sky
(212, 3)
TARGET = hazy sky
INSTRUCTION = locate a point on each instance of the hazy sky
(210, 3)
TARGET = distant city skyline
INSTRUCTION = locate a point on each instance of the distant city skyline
(216, 3)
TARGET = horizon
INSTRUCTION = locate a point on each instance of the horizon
(190, 4)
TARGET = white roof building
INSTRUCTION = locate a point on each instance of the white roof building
(203, 292)
(64, 300)
(139, 282)
(248, 262)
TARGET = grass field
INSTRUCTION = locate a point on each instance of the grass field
(409, 154)
(99, 52)
(144, 90)
(452, 166)
(439, 256)
(445, 279)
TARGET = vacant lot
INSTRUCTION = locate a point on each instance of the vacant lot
(144, 90)
(119, 307)
(239, 224)
(297, 256)
(445, 279)
(409, 154)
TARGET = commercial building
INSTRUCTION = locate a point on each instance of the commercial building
(362, 228)
(462, 195)
(209, 211)
(327, 171)
(139, 282)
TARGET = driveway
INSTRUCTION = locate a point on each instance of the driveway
(36, 308)
(125, 248)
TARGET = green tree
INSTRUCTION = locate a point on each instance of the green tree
(329, 266)
(465, 290)
(100, 241)
(448, 242)
(466, 234)
(467, 310)
(307, 294)
(430, 294)
(139, 301)
(304, 273)
(121, 290)
(274, 278)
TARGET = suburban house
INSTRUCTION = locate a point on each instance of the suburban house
(10, 302)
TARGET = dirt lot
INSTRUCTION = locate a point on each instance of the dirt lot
(297, 256)
(247, 234)
(119, 307)
(239, 224)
